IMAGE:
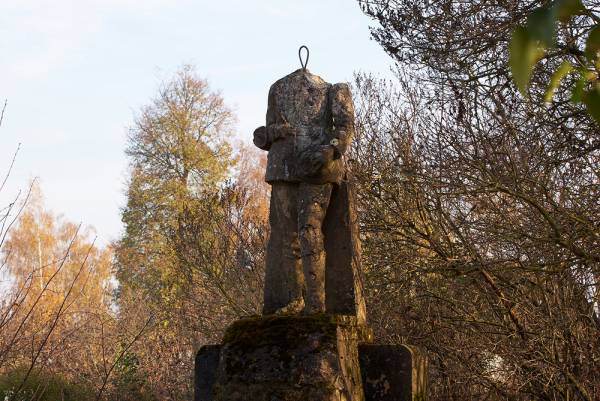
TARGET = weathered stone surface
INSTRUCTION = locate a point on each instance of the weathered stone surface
(309, 126)
(291, 358)
(343, 272)
(284, 280)
(306, 347)
(206, 363)
(306, 116)
(393, 373)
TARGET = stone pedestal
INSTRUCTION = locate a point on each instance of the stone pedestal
(393, 373)
(284, 358)
(205, 370)
(307, 358)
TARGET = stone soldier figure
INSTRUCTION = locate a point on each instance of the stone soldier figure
(309, 126)
(312, 266)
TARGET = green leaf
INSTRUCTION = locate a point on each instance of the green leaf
(565, 9)
(541, 25)
(591, 99)
(558, 75)
(592, 45)
(524, 52)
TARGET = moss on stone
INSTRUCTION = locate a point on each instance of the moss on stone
(289, 357)
(277, 329)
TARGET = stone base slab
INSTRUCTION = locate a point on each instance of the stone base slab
(284, 358)
(393, 373)
(307, 358)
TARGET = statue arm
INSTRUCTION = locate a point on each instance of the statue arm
(342, 112)
(276, 128)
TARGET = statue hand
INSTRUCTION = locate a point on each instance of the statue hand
(261, 139)
(313, 160)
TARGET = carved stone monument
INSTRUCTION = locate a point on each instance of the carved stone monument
(312, 342)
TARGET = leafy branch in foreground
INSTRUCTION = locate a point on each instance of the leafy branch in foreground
(581, 54)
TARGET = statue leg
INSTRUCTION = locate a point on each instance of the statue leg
(312, 206)
(283, 275)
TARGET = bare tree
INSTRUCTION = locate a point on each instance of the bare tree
(489, 201)
(480, 237)
(55, 307)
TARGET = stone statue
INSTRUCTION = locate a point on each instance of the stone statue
(309, 126)
(312, 267)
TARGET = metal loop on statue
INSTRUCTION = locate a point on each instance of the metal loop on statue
(305, 63)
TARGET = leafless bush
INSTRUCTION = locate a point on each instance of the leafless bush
(480, 237)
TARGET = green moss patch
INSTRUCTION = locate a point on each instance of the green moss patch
(280, 330)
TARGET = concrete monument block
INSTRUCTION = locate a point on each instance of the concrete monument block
(393, 373)
(291, 358)
(205, 369)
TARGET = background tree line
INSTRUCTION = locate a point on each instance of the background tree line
(479, 219)
(123, 322)
(481, 214)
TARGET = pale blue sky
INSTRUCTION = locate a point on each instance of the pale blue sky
(75, 72)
